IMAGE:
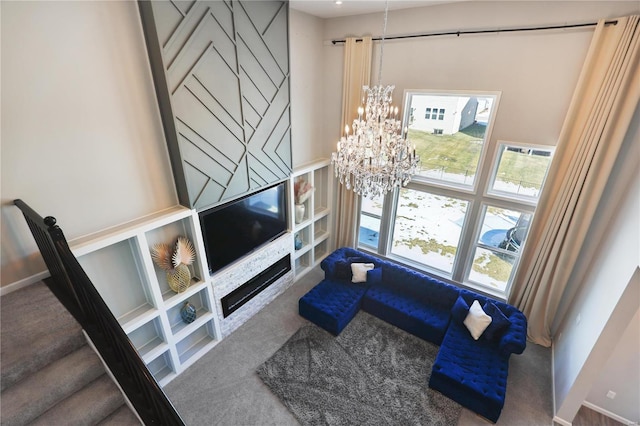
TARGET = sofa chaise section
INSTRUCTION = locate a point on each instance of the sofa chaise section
(474, 372)
(334, 302)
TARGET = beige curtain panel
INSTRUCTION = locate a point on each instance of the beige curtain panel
(605, 99)
(356, 73)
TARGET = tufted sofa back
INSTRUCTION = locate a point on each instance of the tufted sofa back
(419, 286)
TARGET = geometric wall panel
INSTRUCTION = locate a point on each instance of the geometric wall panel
(221, 71)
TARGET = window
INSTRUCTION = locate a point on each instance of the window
(520, 170)
(370, 220)
(427, 228)
(465, 216)
(464, 121)
(497, 249)
(433, 114)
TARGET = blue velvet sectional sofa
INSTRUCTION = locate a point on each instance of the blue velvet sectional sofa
(469, 371)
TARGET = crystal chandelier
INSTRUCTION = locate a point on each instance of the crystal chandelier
(375, 156)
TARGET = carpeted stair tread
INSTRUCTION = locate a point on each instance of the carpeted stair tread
(123, 416)
(36, 330)
(88, 406)
(29, 398)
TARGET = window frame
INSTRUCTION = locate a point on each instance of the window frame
(479, 197)
(503, 204)
(502, 195)
(388, 241)
(486, 147)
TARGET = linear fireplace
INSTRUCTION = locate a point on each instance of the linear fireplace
(238, 297)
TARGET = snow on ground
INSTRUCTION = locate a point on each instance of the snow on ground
(433, 222)
(429, 218)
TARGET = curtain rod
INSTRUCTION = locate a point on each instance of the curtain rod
(500, 30)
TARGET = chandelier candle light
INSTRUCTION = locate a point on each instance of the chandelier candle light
(376, 156)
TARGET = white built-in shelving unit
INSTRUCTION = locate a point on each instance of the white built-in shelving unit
(118, 262)
(315, 228)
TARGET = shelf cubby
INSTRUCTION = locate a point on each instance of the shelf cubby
(321, 193)
(321, 229)
(115, 272)
(149, 339)
(305, 236)
(320, 251)
(192, 344)
(302, 252)
(161, 368)
(302, 262)
(169, 234)
(203, 307)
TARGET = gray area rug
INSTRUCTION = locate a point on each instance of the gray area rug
(373, 373)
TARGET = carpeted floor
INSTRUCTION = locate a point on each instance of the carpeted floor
(372, 373)
(222, 388)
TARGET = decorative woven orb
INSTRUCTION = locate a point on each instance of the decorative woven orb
(179, 278)
(188, 312)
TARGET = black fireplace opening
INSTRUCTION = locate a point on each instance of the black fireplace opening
(238, 297)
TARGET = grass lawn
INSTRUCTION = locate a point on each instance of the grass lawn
(459, 154)
(523, 169)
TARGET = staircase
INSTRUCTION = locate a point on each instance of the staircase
(48, 373)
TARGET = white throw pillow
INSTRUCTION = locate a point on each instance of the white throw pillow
(359, 272)
(477, 320)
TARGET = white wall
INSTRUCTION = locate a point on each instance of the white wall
(536, 72)
(621, 374)
(81, 135)
(604, 302)
(307, 94)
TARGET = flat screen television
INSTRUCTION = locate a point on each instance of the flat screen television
(237, 228)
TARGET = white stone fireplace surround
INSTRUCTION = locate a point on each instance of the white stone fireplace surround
(235, 275)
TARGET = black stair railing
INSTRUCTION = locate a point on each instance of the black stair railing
(71, 285)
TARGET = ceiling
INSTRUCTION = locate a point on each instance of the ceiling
(329, 8)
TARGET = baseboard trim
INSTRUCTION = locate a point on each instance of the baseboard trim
(553, 376)
(560, 421)
(608, 413)
(10, 288)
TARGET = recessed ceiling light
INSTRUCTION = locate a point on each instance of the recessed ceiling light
(338, 2)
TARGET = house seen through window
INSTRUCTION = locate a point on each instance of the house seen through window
(466, 214)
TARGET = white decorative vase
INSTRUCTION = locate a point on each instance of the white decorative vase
(299, 212)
